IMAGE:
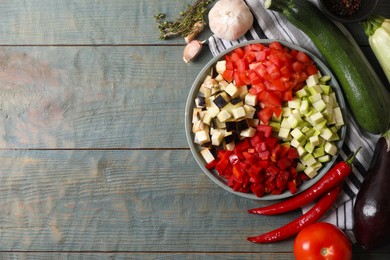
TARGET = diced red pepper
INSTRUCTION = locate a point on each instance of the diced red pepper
(265, 115)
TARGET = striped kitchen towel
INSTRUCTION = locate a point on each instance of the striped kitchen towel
(270, 25)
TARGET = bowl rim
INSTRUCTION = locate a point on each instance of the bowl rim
(194, 148)
(348, 19)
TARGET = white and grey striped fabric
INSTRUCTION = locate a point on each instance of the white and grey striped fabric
(270, 25)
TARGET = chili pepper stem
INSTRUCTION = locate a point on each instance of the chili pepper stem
(353, 156)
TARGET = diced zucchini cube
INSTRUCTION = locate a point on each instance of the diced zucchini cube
(295, 143)
(315, 98)
(297, 134)
(324, 78)
(321, 124)
(300, 167)
(318, 152)
(309, 147)
(301, 93)
(294, 103)
(326, 89)
(338, 116)
(315, 89)
(275, 126)
(294, 120)
(304, 108)
(310, 172)
(276, 118)
(314, 140)
(312, 80)
(324, 158)
(286, 111)
(301, 151)
(319, 105)
(335, 137)
(317, 165)
(285, 124)
(330, 148)
(284, 133)
(316, 118)
(308, 159)
(326, 133)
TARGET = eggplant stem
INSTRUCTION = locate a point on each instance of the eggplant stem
(386, 135)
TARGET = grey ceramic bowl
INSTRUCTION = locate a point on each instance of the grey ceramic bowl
(367, 8)
(195, 149)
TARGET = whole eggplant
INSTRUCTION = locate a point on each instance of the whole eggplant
(372, 207)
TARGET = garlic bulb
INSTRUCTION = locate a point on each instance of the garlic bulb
(230, 19)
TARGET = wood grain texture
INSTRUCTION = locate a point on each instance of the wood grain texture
(86, 22)
(94, 97)
(92, 22)
(122, 201)
(93, 157)
(147, 256)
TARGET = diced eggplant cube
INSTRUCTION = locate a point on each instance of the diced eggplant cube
(200, 102)
(231, 126)
(219, 101)
(242, 125)
(207, 155)
(235, 100)
(229, 138)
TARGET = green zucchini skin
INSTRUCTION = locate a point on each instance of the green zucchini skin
(366, 95)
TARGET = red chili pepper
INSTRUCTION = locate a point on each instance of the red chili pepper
(333, 177)
(303, 221)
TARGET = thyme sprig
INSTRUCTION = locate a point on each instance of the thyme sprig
(185, 23)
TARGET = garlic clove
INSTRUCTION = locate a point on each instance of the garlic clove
(192, 50)
(196, 29)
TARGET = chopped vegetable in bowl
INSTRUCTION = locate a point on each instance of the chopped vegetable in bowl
(263, 121)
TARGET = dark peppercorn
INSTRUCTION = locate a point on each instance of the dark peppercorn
(343, 7)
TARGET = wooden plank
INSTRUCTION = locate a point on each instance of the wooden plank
(91, 22)
(162, 255)
(94, 97)
(144, 201)
(151, 256)
(85, 22)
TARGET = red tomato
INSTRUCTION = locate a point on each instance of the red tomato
(322, 241)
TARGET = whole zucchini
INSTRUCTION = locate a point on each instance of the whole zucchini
(366, 95)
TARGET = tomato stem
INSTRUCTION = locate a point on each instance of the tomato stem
(324, 251)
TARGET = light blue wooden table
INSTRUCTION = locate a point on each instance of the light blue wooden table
(94, 162)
